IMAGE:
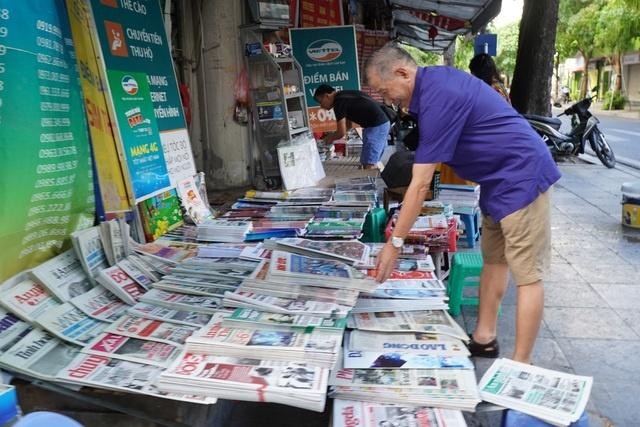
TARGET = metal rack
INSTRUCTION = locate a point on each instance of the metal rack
(277, 101)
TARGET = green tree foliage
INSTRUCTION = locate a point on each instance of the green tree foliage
(464, 52)
(617, 31)
(422, 57)
(577, 27)
(507, 49)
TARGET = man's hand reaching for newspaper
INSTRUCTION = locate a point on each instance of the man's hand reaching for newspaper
(386, 262)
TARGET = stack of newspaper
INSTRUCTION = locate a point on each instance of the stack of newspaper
(318, 347)
(291, 383)
(555, 397)
(351, 413)
(219, 230)
(298, 269)
(464, 198)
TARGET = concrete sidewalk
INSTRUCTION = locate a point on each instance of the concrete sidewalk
(592, 296)
(628, 113)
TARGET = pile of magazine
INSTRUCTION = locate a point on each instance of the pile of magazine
(464, 198)
(555, 397)
(222, 230)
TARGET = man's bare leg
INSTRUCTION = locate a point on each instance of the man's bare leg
(528, 318)
(493, 285)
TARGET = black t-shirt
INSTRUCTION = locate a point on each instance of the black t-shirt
(358, 107)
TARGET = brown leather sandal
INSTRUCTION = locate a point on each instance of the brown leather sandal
(490, 350)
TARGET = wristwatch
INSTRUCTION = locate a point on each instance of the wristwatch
(397, 242)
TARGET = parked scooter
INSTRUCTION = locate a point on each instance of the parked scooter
(584, 126)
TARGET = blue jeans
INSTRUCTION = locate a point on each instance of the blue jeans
(374, 141)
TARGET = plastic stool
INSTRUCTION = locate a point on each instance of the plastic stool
(374, 225)
(49, 419)
(513, 418)
(471, 226)
(465, 271)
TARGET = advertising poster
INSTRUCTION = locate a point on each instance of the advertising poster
(46, 184)
(327, 55)
(139, 133)
(132, 39)
(110, 175)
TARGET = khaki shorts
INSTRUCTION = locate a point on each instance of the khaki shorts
(522, 240)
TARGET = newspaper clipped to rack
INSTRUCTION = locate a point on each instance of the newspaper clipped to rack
(556, 397)
(300, 164)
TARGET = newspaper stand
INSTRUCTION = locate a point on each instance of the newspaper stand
(441, 242)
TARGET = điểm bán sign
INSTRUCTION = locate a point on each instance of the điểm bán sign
(327, 55)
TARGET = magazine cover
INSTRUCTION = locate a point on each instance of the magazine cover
(71, 324)
(159, 214)
(63, 276)
(149, 329)
(132, 349)
(25, 298)
(196, 209)
(100, 304)
(165, 253)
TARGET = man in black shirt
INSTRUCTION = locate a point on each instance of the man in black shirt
(357, 107)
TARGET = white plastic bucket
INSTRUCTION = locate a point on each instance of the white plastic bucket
(631, 204)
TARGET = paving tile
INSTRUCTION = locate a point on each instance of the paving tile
(620, 295)
(570, 322)
(572, 294)
(607, 274)
(616, 373)
(631, 316)
(506, 322)
(563, 272)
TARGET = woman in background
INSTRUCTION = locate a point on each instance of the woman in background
(483, 67)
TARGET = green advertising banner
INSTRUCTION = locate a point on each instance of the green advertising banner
(327, 55)
(46, 185)
(132, 39)
(139, 133)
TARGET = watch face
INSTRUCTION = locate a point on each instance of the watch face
(397, 242)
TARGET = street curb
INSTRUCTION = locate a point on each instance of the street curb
(619, 159)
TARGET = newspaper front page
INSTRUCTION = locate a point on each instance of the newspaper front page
(71, 324)
(153, 330)
(100, 304)
(63, 276)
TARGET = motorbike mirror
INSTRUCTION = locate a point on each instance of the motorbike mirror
(595, 89)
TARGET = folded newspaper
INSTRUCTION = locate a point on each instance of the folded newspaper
(297, 269)
(555, 397)
(63, 276)
(429, 321)
(290, 383)
(348, 413)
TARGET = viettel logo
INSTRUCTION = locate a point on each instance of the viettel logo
(129, 84)
(324, 50)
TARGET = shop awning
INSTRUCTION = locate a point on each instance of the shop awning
(433, 24)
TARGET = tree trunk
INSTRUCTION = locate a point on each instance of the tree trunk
(531, 86)
(617, 68)
(584, 83)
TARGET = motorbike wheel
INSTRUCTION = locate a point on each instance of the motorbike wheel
(602, 149)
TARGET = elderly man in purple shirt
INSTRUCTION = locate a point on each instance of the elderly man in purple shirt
(468, 126)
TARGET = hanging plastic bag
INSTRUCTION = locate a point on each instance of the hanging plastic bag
(241, 96)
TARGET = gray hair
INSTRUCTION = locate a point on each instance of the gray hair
(389, 55)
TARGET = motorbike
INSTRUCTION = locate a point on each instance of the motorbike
(584, 127)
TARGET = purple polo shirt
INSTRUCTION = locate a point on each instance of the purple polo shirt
(467, 125)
